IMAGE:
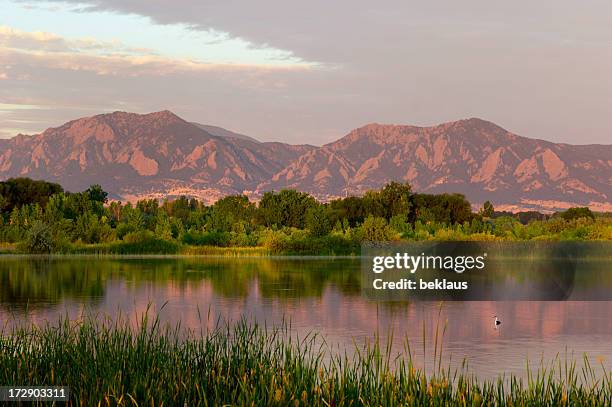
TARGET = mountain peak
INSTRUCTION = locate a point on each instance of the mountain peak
(163, 115)
(159, 155)
(477, 123)
(469, 123)
(475, 120)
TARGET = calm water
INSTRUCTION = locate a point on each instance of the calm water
(314, 294)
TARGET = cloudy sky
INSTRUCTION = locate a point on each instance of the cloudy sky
(310, 71)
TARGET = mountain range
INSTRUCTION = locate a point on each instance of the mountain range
(160, 155)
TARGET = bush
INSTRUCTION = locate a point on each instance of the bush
(213, 238)
(144, 242)
(124, 229)
(376, 229)
(577, 213)
(274, 240)
(241, 239)
(39, 239)
(504, 226)
(89, 229)
(318, 221)
(399, 224)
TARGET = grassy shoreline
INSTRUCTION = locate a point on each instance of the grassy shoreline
(115, 363)
(118, 249)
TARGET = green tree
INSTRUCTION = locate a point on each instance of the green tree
(79, 204)
(23, 191)
(318, 221)
(286, 208)
(132, 220)
(376, 229)
(163, 227)
(97, 194)
(395, 199)
(504, 226)
(487, 210)
(230, 210)
(449, 209)
(3, 203)
(373, 205)
(149, 209)
(351, 209)
(135, 218)
(577, 213)
(55, 208)
(179, 208)
(399, 224)
(113, 212)
(91, 229)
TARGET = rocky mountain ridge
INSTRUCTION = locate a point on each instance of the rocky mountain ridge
(160, 155)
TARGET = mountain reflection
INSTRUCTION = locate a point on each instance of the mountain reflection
(322, 295)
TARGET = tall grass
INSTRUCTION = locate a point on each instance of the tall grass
(113, 363)
(225, 251)
(7, 247)
(145, 246)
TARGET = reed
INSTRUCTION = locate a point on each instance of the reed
(144, 363)
(225, 251)
(7, 247)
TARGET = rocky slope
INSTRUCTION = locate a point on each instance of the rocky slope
(159, 154)
(152, 155)
(472, 156)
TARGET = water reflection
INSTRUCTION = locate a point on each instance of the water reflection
(322, 295)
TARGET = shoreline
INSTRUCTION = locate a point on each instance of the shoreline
(266, 254)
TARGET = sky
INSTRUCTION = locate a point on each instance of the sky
(309, 72)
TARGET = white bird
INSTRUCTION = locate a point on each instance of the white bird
(497, 322)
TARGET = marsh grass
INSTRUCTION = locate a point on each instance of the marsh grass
(121, 363)
(7, 247)
(145, 246)
(226, 251)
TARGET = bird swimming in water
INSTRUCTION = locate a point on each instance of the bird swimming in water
(497, 322)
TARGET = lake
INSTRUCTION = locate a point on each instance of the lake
(314, 294)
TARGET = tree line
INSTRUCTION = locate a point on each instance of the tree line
(42, 217)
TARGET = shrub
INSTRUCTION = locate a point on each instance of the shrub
(577, 213)
(376, 229)
(504, 226)
(242, 239)
(318, 221)
(163, 227)
(274, 240)
(143, 242)
(124, 229)
(212, 238)
(89, 229)
(39, 239)
(399, 224)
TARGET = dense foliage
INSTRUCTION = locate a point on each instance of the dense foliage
(41, 218)
(16, 192)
